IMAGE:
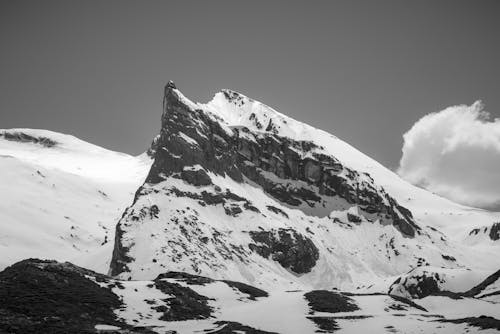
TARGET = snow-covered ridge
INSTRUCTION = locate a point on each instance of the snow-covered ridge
(70, 154)
(66, 141)
(60, 196)
(239, 110)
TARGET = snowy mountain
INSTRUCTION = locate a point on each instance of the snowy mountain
(236, 219)
(61, 197)
(240, 191)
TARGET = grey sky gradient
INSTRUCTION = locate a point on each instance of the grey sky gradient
(363, 70)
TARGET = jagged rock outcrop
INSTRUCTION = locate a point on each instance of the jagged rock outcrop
(193, 137)
(44, 296)
(417, 286)
(39, 296)
(426, 281)
(492, 232)
(291, 249)
(495, 231)
(26, 138)
(153, 147)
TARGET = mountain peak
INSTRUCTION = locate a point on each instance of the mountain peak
(170, 85)
(244, 180)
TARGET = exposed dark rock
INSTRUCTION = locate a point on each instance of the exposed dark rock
(230, 327)
(329, 301)
(277, 210)
(252, 291)
(448, 258)
(474, 231)
(495, 231)
(353, 218)
(40, 296)
(325, 324)
(185, 277)
(153, 147)
(482, 322)
(408, 302)
(120, 257)
(421, 286)
(185, 305)
(191, 279)
(288, 247)
(230, 201)
(26, 138)
(232, 209)
(189, 137)
(196, 177)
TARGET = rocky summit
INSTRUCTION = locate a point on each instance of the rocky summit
(208, 167)
(240, 191)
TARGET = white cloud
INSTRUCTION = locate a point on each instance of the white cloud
(455, 153)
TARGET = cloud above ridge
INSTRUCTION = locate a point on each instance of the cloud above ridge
(456, 154)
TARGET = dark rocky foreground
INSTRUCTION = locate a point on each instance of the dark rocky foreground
(49, 297)
(41, 296)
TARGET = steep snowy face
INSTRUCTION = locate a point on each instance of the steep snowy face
(240, 191)
(60, 197)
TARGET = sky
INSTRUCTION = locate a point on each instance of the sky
(365, 71)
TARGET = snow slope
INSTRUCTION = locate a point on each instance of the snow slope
(62, 200)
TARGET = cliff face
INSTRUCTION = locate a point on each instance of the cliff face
(193, 137)
(220, 195)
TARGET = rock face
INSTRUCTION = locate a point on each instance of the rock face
(194, 138)
(495, 231)
(426, 281)
(49, 297)
(454, 283)
(220, 197)
(291, 249)
(329, 301)
(416, 286)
